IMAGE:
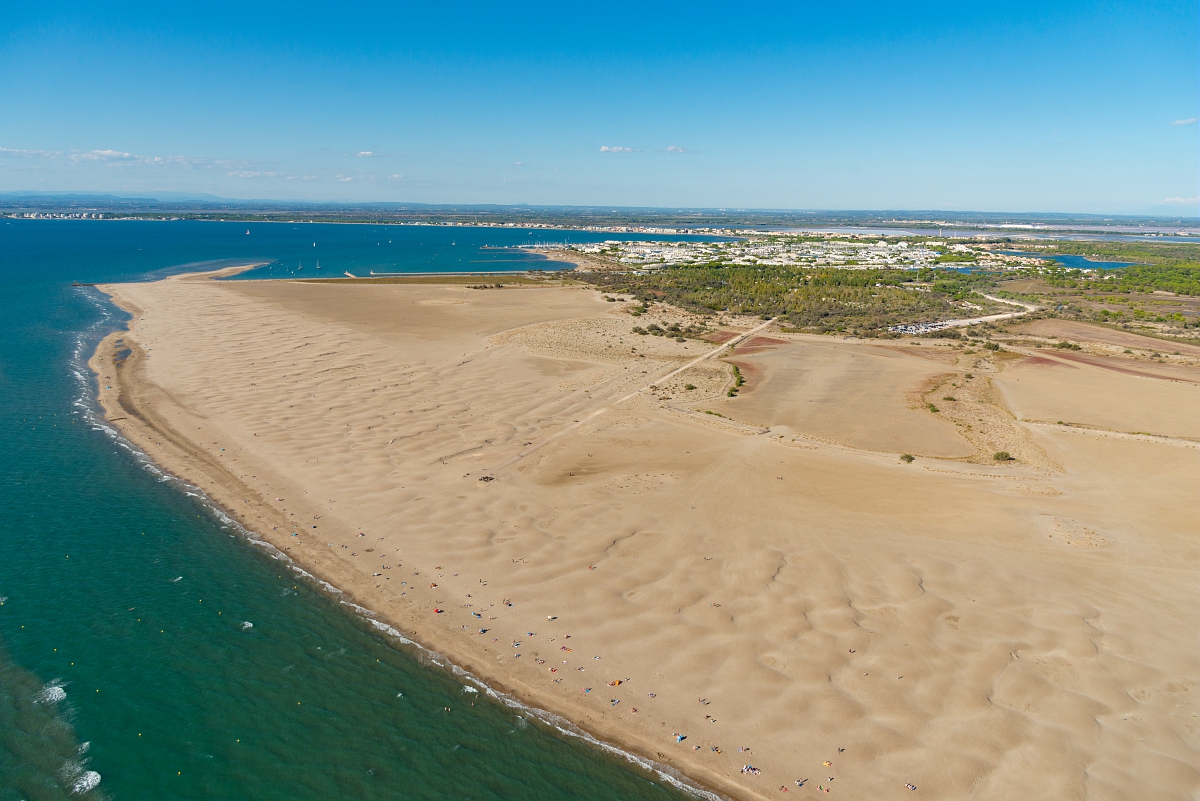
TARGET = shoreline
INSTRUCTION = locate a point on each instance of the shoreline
(129, 423)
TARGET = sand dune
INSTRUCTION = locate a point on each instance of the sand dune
(772, 579)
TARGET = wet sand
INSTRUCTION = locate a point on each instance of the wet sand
(771, 577)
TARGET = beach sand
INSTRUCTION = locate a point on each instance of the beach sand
(769, 582)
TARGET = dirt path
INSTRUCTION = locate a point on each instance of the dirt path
(593, 415)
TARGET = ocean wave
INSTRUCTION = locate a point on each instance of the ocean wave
(52, 693)
(88, 780)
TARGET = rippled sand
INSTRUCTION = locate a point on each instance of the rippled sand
(773, 579)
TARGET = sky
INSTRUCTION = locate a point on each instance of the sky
(1019, 107)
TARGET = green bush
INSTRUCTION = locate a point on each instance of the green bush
(907, 458)
(1002, 456)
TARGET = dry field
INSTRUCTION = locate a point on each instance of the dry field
(506, 476)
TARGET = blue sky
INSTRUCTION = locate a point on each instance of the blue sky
(1073, 107)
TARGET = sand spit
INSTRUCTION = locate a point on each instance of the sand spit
(713, 582)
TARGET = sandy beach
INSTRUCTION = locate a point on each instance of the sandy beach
(718, 582)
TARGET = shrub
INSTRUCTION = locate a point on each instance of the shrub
(1002, 456)
(689, 387)
(991, 346)
(932, 408)
(907, 458)
(948, 398)
(637, 329)
(1067, 346)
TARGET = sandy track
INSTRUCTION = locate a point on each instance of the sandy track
(976, 630)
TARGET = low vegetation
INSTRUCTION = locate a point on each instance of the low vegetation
(868, 301)
(1159, 296)
(816, 299)
(738, 381)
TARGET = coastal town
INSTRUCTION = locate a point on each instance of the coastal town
(745, 248)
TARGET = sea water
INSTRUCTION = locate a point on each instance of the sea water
(148, 650)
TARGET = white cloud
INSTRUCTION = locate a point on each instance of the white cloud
(253, 174)
(29, 154)
(677, 149)
(396, 177)
(1188, 121)
(1182, 201)
(121, 157)
(607, 149)
(103, 155)
(345, 178)
(518, 163)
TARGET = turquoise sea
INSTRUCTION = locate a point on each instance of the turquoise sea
(148, 650)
